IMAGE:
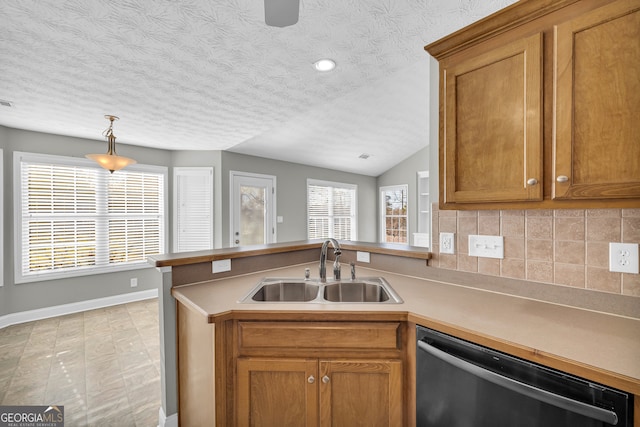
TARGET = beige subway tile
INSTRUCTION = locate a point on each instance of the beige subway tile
(631, 284)
(447, 213)
(448, 224)
(539, 227)
(467, 225)
(539, 212)
(631, 230)
(570, 228)
(541, 250)
(630, 213)
(569, 213)
(601, 279)
(467, 214)
(489, 213)
(539, 271)
(598, 254)
(514, 247)
(513, 268)
(462, 243)
(569, 275)
(489, 225)
(435, 256)
(450, 262)
(467, 263)
(489, 266)
(604, 229)
(512, 225)
(512, 212)
(569, 252)
(611, 213)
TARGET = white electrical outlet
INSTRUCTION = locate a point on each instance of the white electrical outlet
(486, 246)
(447, 245)
(623, 257)
(363, 256)
(221, 266)
(134, 282)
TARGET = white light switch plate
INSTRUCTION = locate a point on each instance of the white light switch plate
(623, 257)
(486, 246)
(221, 266)
(447, 243)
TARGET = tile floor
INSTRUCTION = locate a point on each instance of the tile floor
(103, 365)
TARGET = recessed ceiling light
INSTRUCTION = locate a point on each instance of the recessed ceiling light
(6, 103)
(364, 156)
(324, 64)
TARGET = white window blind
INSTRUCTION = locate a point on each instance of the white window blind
(193, 209)
(331, 210)
(394, 213)
(74, 218)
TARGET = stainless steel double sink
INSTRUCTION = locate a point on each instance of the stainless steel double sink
(360, 290)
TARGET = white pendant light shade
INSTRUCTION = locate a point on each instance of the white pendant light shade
(111, 161)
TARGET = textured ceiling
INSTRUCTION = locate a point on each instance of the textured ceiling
(210, 75)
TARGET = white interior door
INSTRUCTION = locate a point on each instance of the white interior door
(252, 209)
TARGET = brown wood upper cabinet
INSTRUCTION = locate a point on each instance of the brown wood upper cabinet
(540, 107)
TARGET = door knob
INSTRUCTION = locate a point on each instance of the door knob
(237, 241)
(311, 379)
(532, 181)
(325, 379)
(562, 178)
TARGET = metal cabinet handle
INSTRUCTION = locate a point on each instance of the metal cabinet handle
(562, 178)
(325, 379)
(532, 181)
(311, 379)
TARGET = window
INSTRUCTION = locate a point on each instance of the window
(193, 209)
(331, 210)
(394, 214)
(73, 218)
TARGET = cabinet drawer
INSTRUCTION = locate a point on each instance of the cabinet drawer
(325, 335)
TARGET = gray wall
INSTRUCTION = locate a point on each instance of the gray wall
(30, 296)
(291, 194)
(405, 172)
(291, 202)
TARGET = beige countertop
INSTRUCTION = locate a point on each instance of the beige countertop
(599, 346)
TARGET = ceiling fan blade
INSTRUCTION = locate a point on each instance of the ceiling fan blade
(281, 13)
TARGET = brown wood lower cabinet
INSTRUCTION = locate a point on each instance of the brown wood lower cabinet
(311, 392)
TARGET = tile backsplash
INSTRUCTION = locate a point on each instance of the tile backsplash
(567, 247)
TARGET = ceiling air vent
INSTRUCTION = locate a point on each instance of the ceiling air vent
(4, 103)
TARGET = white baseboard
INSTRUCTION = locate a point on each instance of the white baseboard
(164, 421)
(59, 310)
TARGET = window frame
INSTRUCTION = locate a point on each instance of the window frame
(384, 216)
(18, 158)
(354, 208)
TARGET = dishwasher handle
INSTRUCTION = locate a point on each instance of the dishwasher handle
(554, 399)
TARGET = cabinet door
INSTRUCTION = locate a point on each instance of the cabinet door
(361, 393)
(597, 108)
(492, 125)
(277, 392)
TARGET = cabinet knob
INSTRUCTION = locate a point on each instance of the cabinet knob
(325, 379)
(532, 181)
(562, 178)
(311, 379)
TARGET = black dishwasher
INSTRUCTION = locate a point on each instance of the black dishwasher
(461, 384)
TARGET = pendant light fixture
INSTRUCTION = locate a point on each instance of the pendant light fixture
(111, 161)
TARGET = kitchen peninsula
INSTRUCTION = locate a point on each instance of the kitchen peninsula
(212, 342)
